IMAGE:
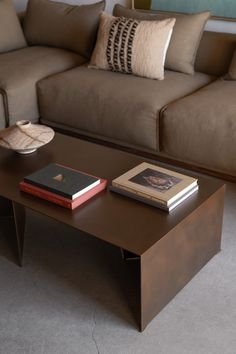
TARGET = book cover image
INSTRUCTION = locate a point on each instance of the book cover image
(155, 180)
(62, 180)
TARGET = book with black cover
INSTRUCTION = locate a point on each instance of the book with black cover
(62, 180)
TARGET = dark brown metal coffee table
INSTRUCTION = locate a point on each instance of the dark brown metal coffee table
(172, 248)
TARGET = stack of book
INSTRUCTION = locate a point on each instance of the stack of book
(62, 185)
(156, 186)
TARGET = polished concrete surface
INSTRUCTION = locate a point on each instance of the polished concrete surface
(75, 295)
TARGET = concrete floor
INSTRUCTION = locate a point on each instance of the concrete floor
(74, 296)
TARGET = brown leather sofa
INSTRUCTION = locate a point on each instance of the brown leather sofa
(189, 119)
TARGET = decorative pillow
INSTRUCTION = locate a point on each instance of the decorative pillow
(62, 25)
(11, 34)
(185, 39)
(132, 46)
(232, 69)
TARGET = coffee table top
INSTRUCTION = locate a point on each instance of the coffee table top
(116, 219)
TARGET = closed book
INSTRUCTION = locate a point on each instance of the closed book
(62, 180)
(153, 202)
(155, 183)
(57, 199)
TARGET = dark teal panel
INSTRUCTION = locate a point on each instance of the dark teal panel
(222, 8)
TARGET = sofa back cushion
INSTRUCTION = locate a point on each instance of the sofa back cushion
(185, 39)
(121, 11)
(11, 34)
(62, 25)
(215, 53)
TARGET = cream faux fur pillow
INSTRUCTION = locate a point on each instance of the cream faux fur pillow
(132, 46)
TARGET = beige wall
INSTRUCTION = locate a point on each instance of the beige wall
(21, 4)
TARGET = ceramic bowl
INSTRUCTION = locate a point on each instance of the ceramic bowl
(25, 137)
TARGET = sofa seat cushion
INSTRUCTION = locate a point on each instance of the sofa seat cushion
(114, 106)
(201, 128)
(21, 69)
(2, 112)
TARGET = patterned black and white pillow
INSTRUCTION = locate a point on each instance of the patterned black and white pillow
(132, 46)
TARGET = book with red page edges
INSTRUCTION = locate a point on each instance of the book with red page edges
(62, 180)
(59, 200)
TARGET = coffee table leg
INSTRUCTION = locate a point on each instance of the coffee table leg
(172, 262)
(128, 256)
(5, 207)
(16, 214)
